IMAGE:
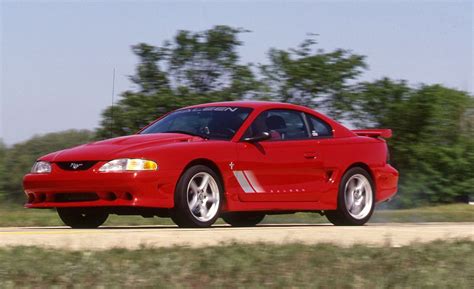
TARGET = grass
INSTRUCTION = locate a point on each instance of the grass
(434, 265)
(444, 213)
(14, 215)
(18, 216)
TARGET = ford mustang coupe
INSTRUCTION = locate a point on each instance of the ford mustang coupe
(235, 160)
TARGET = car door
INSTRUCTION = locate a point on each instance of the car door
(285, 168)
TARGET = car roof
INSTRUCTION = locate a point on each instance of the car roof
(253, 104)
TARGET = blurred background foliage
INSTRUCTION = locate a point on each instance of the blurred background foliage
(432, 145)
(18, 159)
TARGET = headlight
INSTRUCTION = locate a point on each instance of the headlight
(41, 168)
(129, 165)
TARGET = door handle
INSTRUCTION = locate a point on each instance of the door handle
(311, 156)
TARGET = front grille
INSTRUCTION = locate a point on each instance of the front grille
(76, 166)
(75, 197)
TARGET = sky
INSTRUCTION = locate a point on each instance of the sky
(57, 57)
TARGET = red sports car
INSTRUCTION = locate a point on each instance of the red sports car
(235, 160)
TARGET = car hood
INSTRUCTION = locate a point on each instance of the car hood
(120, 147)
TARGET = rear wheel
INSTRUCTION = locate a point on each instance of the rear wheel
(243, 219)
(356, 199)
(82, 218)
(197, 198)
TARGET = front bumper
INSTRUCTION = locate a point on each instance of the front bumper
(92, 188)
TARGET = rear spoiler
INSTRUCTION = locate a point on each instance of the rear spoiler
(385, 133)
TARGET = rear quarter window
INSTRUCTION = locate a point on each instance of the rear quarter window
(318, 127)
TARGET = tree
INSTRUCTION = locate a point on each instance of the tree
(313, 78)
(206, 62)
(20, 158)
(432, 145)
(192, 68)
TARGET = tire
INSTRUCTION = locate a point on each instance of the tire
(197, 202)
(355, 200)
(243, 219)
(82, 218)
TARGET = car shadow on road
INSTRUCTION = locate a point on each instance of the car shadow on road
(215, 227)
(174, 227)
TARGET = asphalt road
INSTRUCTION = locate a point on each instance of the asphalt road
(165, 236)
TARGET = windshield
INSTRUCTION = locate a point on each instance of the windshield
(211, 122)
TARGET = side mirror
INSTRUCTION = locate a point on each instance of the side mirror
(261, 137)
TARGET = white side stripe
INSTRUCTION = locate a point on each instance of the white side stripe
(239, 175)
(253, 181)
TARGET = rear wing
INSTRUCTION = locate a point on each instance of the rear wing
(384, 133)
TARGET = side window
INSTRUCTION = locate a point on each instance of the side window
(319, 128)
(281, 124)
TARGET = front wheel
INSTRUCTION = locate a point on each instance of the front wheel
(244, 219)
(77, 218)
(197, 198)
(355, 202)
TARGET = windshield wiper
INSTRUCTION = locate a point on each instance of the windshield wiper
(187, 132)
